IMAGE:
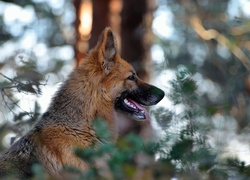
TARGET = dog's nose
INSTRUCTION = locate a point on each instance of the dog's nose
(153, 95)
(147, 95)
(157, 95)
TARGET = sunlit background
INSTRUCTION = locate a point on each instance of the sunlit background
(181, 36)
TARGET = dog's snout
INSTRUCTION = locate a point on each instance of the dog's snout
(147, 95)
(154, 95)
(157, 94)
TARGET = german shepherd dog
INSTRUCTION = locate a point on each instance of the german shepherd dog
(101, 86)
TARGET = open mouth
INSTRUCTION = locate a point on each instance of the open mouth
(132, 102)
(132, 108)
(139, 112)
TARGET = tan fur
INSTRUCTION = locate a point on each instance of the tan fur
(89, 93)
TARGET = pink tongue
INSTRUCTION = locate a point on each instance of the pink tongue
(141, 108)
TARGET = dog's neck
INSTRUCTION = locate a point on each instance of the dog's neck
(80, 103)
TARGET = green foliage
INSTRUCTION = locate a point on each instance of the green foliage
(183, 151)
(38, 171)
(119, 158)
(189, 152)
(186, 154)
(183, 87)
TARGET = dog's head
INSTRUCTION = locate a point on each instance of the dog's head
(119, 83)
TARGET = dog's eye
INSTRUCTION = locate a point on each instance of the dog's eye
(132, 77)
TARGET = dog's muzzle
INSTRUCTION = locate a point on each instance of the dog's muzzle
(130, 102)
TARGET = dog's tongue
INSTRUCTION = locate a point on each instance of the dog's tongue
(138, 106)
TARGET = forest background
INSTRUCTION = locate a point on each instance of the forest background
(196, 50)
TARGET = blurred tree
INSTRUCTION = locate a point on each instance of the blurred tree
(36, 41)
(91, 18)
(136, 34)
(207, 36)
(101, 19)
(89, 25)
(210, 38)
(136, 41)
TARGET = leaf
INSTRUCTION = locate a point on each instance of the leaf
(27, 88)
(181, 149)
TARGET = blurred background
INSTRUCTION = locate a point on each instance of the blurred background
(208, 41)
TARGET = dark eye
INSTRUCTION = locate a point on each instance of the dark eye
(132, 77)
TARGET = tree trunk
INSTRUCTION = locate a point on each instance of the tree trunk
(136, 38)
(83, 25)
(100, 20)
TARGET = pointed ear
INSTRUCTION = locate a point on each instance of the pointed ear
(107, 48)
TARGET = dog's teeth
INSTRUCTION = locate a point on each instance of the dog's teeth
(129, 104)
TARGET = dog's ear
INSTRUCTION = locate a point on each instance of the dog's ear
(107, 48)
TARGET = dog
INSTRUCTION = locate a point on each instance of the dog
(101, 86)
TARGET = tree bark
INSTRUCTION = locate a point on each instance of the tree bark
(136, 38)
(100, 20)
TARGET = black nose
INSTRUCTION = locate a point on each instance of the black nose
(157, 94)
(147, 95)
(153, 96)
